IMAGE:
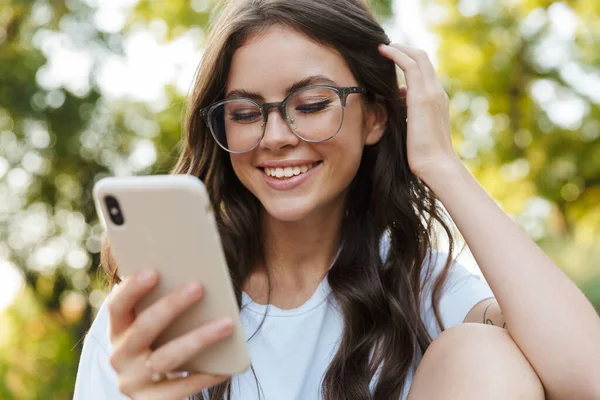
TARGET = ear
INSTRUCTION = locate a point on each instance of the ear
(375, 123)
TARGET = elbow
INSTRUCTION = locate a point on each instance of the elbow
(590, 388)
(581, 386)
(593, 380)
(595, 390)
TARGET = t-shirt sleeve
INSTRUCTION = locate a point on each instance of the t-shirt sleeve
(462, 291)
(96, 378)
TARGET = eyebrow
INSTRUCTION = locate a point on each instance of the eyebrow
(308, 81)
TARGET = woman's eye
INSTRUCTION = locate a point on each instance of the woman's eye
(313, 107)
(245, 117)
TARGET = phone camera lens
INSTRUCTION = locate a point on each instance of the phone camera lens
(114, 210)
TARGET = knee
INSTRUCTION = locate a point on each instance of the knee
(475, 360)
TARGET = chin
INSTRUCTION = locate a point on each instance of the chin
(288, 211)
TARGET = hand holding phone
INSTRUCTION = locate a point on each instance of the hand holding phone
(131, 335)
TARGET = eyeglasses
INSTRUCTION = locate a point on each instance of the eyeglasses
(314, 114)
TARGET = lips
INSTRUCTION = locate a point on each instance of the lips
(282, 182)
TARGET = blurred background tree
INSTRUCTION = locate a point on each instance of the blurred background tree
(95, 88)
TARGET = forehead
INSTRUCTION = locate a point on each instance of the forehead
(269, 62)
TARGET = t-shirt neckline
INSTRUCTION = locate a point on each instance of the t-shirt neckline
(316, 299)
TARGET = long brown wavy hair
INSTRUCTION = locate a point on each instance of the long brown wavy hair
(380, 300)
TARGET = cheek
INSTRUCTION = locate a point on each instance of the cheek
(352, 137)
(345, 156)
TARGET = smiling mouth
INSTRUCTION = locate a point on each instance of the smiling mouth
(289, 172)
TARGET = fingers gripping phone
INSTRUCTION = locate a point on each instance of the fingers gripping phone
(165, 223)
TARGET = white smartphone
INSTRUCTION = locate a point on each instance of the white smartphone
(165, 223)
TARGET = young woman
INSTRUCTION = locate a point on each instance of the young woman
(327, 179)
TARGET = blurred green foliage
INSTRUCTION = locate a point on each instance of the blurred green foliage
(524, 120)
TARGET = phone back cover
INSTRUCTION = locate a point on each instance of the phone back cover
(169, 227)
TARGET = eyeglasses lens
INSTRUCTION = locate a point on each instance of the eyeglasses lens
(314, 115)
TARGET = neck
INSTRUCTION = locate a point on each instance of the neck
(302, 251)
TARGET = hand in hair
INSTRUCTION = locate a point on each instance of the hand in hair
(429, 144)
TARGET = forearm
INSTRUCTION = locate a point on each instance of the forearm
(547, 315)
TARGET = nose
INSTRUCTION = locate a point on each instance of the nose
(277, 132)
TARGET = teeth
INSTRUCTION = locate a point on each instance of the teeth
(287, 172)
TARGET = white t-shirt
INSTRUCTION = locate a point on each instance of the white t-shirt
(293, 348)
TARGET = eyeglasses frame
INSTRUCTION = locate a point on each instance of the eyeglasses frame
(265, 108)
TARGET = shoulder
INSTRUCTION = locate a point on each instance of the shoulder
(99, 331)
(96, 379)
(462, 290)
(433, 264)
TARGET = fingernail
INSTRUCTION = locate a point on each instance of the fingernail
(192, 289)
(147, 277)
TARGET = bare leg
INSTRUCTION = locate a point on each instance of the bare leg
(475, 361)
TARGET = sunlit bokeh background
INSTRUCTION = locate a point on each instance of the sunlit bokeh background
(90, 88)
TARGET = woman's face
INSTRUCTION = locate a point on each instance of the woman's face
(268, 65)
